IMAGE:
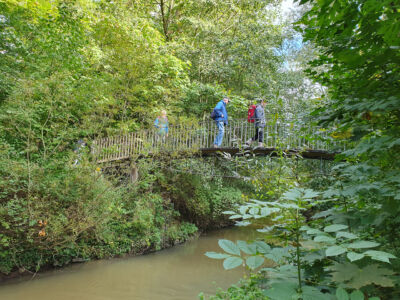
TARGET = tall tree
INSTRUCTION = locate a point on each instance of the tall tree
(360, 54)
(230, 43)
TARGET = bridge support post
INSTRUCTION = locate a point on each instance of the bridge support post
(134, 173)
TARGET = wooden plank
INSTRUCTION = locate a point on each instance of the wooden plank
(109, 153)
(122, 151)
(119, 148)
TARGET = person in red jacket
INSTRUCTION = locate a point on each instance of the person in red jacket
(259, 121)
(250, 113)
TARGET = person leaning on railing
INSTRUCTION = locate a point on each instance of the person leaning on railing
(259, 117)
(79, 149)
(161, 123)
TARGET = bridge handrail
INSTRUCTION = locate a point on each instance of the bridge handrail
(200, 135)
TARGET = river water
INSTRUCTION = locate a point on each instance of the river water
(181, 272)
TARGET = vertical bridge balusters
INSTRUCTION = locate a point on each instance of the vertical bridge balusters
(287, 135)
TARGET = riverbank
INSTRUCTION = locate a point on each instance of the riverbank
(84, 214)
(23, 274)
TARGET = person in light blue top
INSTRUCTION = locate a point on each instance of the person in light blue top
(221, 119)
(161, 123)
(79, 149)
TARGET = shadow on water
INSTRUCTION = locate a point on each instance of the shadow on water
(181, 272)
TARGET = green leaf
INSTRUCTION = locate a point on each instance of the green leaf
(347, 235)
(341, 294)
(254, 210)
(309, 194)
(283, 273)
(311, 257)
(312, 293)
(349, 275)
(379, 255)
(314, 231)
(311, 245)
(229, 247)
(277, 254)
(289, 205)
(228, 212)
(362, 245)
(335, 227)
(254, 262)
(292, 194)
(243, 209)
(288, 291)
(277, 218)
(357, 295)
(281, 291)
(246, 216)
(335, 250)
(305, 228)
(242, 223)
(322, 214)
(266, 229)
(324, 239)
(265, 211)
(235, 217)
(352, 256)
(343, 272)
(262, 247)
(247, 248)
(232, 262)
(216, 255)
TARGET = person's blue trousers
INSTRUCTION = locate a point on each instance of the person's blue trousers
(220, 135)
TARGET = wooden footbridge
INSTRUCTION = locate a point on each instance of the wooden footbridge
(193, 139)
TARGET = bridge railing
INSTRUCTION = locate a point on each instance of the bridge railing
(197, 136)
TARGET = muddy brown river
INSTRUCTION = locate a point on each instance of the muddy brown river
(181, 272)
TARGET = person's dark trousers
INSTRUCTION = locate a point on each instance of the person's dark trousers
(259, 134)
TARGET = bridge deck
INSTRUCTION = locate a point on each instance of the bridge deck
(206, 152)
(313, 154)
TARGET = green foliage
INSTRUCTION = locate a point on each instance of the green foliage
(289, 290)
(312, 255)
(244, 290)
(233, 259)
(200, 199)
(345, 242)
(355, 217)
(358, 63)
(201, 98)
(65, 90)
(56, 214)
(342, 294)
(236, 46)
(49, 213)
(351, 276)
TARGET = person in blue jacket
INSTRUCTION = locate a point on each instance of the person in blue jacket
(221, 120)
